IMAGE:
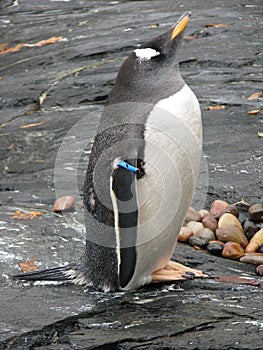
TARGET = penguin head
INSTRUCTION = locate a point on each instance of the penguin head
(163, 49)
(151, 66)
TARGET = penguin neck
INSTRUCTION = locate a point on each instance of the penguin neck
(147, 89)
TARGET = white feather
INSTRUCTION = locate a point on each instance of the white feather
(116, 223)
(146, 54)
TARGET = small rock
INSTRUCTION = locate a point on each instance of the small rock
(206, 233)
(231, 209)
(215, 247)
(255, 242)
(232, 250)
(249, 228)
(195, 226)
(184, 234)
(218, 206)
(253, 258)
(256, 212)
(192, 215)
(196, 241)
(203, 213)
(229, 219)
(259, 270)
(64, 203)
(232, 234)
(209, 221)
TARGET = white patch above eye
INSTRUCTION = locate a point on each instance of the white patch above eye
(146, 54)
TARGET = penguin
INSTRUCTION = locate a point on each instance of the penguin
(141, 174)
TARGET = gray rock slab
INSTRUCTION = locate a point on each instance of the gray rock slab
(59, 89)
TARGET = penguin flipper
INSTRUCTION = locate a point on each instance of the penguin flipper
(62, 273)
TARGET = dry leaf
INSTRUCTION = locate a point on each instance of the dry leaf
(214, 108)
(154, 25)
(18, 47)
(255, 95)
(20, 215)
(64, 203)
(3, 46)
(28, 266)
(190, 37)
(218, 25)
(49, 41)
(31, 125)
(255, 111)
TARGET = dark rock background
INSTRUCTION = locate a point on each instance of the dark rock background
(71, 79)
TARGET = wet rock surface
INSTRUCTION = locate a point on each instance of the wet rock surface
(59, 90)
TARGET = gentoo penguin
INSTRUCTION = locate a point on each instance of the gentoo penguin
(141, 174)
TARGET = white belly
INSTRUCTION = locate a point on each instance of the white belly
(173, 140)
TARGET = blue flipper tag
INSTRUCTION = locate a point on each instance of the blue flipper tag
(127, 166)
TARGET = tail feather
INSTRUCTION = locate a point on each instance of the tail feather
(54, 274)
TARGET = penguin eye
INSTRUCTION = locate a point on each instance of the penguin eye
(145, 55)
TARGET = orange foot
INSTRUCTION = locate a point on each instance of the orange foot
(174, 271)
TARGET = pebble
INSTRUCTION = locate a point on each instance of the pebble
(256, 212)
(230, 229)
(232, 234)
(249, 228)
(229, 219)
(209, 221)
(218, 206)
(203, 213)
(192, 215)
(64, 203)
(199, 242)
(232, 250)
(206, 233)
(252, 258)
(215, 247)
(255, 242)
(259, 270)
(184, 234)
(195, 226)
(231, 209)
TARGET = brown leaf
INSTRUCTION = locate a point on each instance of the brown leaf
(216, 25)
(3, 46)
(28, 266)
(190, 37)
(18, 47)
(13, 49)
(254, 111)
(49, 41)
(20, 215)
(31, 125)
(237, 280)
(64, 203)
(214, 108)
(255, 95)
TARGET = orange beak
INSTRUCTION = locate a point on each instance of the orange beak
(179, 28)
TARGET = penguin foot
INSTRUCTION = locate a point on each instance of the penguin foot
(174, 271)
